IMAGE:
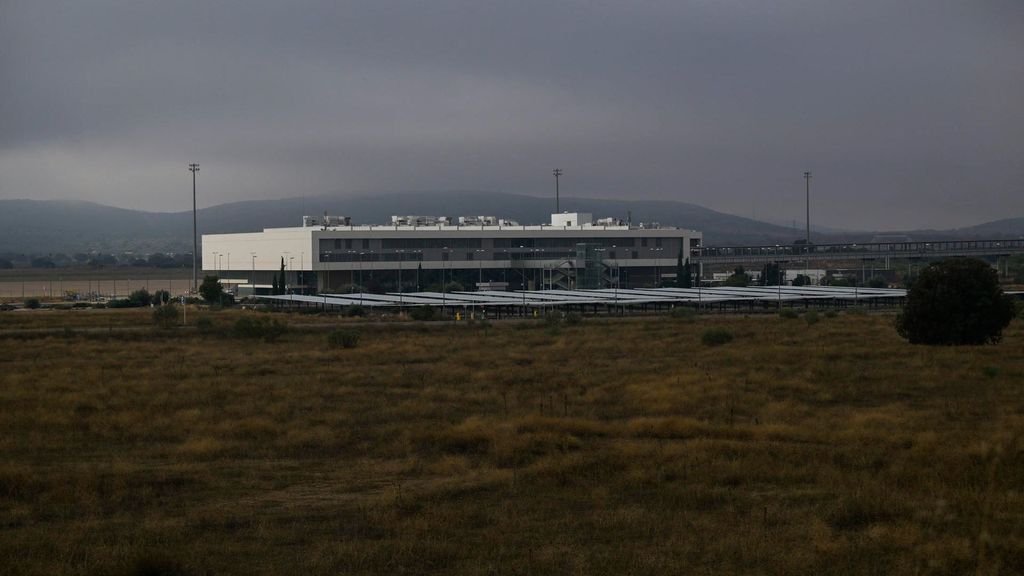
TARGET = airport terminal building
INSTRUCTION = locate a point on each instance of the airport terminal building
(412, 253)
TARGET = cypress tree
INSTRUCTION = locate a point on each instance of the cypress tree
(680, 269)
(687, 280)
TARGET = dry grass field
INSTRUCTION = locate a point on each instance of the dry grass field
(516, 448)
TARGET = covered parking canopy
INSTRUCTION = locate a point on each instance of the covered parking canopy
(605, 296)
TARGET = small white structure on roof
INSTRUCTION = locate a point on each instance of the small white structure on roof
(572, 219)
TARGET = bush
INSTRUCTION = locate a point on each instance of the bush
(573, 318)
(684, 313)
(423, 313)
(355, 310)
(788, 314)
(831, 314)
(877, 282)
(33, 303)
(140, 298)
(165, 316)
(343, 339)
(204, 325)
(267, 329)
(120, 303)
(716, 337)
(955, 302)
(811, 317)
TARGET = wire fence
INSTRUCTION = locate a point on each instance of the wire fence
(87, 289)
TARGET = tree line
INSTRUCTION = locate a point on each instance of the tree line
(96, 260)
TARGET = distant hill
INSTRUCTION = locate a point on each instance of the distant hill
(41, 227)
(1007, 227)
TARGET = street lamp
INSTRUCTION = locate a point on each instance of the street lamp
(361, 275)
(193, 168)
(445, 255)
(480, 265)
(401, 301)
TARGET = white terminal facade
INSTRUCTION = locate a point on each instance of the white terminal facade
(413, 253)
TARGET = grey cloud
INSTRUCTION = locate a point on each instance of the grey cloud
(908, 113)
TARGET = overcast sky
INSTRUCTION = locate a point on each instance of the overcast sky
(909, 113)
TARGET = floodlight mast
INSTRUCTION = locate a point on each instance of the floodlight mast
(193, 168)
(807, 180)
(557, 172)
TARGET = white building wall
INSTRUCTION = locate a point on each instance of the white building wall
(235, 251)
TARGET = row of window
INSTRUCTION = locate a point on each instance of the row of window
(476, 243)
(468, 256)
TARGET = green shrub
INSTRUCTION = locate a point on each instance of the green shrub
(955, 302)
(831, 314)
(140, 298)
(204, 325)
(343, 338)
(161, 297)
(266, 329)
(788, 314)
(716, 337)
(355, 311)
(811, 317)
(165, 316)
(573, 318)
(33, 303)
(684, 313)
(423, 313)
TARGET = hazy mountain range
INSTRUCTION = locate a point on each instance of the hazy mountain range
(42, 227)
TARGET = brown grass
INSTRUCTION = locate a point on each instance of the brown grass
(604, 448)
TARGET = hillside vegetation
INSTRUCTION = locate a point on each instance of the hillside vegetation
(597, 447)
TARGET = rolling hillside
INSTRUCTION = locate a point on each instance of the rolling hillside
(41, 227)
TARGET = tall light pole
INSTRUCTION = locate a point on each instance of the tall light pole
(557, 172)
(193, 168)
(807, 181)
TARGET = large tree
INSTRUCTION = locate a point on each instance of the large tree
(771, 275)
(955, 302)
(211, 289)
(739, 278)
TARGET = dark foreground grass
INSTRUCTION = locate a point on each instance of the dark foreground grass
(598, 448)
